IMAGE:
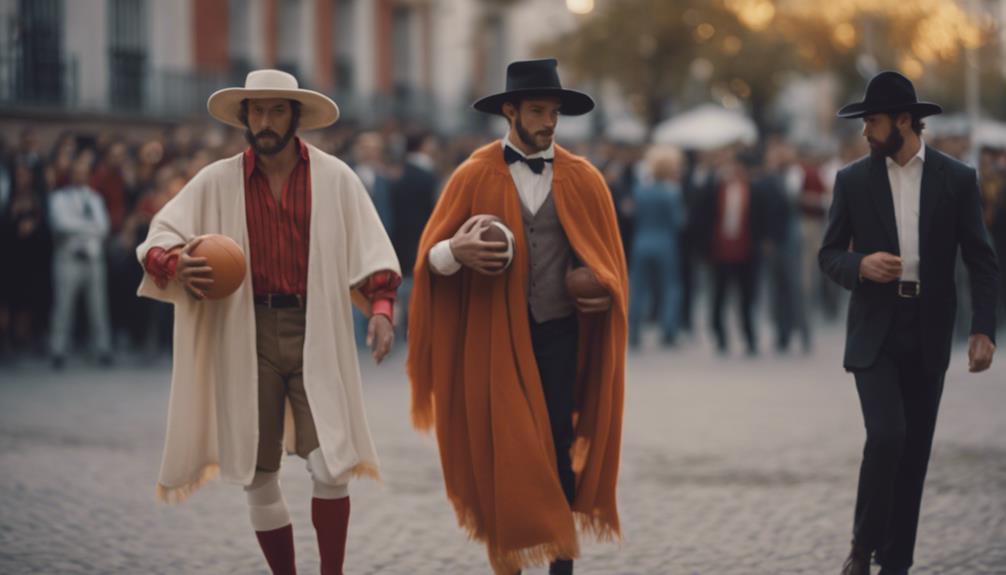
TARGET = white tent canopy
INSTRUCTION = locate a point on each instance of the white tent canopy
(989, 133)
(706, 127)
(626, 130)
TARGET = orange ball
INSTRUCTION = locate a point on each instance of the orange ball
(225, 257)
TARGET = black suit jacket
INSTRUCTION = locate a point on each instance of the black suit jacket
(861, 221)
(413, 197)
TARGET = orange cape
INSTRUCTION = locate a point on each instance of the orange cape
(474, 375)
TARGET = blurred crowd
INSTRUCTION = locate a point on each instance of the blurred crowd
(700, 229)
(744, 223)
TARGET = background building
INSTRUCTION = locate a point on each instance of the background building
(141, 60)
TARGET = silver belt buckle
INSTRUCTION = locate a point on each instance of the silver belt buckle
(917, 289)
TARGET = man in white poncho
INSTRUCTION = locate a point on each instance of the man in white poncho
(274, 364)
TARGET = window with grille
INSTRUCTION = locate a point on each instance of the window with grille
(127, 53)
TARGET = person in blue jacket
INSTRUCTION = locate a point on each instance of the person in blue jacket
(659, 218)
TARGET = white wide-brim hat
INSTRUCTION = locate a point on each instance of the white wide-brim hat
(317, 110)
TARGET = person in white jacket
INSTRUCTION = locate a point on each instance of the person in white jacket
(79, 225)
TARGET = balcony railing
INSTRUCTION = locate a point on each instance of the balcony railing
(38, 82)
(135, 90)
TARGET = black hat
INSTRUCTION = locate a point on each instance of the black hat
(889, 92)
(529, 78)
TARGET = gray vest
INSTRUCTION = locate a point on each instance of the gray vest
(550, 254)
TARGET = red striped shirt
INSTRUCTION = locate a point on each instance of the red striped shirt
(278, 239)
(278, 232)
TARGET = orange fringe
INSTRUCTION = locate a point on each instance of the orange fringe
(598, 528)
(368, 470)
(173, 495)
(509, 562)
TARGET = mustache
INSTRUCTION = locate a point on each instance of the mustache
(545, 133)
(267, 132)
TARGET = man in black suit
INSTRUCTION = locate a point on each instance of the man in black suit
(413, 197)
(895, 224)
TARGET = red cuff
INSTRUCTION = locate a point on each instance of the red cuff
(381, 290)
(383, 307)
(161, 264)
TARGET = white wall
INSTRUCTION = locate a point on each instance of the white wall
(307, 41)
(86, 41)
(169, 25)
(452, 47)
(256, 33)
(365, 54)
(533, 22)
(526, 24)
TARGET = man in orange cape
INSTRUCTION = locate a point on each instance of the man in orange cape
(523, 382)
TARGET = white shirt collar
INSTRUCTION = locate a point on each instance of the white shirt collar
(921, 155)
(548, 153)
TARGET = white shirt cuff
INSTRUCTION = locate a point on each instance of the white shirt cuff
(442, 260)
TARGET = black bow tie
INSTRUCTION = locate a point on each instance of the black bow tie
(536, 164)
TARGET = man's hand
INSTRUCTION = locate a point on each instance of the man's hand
(880, 267)
(380, 336)
(593, 304)
(980, 351)
(468, 247)
(193, 272)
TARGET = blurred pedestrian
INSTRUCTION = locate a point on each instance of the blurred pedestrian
(61, 159)
(30, 253)
(413, 196)
(732, 214)
(80, 225)
(655, 257)
(368, 163)
(992, 175)
(894, 229)
(110, 183)
(785, 181)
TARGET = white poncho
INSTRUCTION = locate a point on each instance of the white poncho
(213, 409)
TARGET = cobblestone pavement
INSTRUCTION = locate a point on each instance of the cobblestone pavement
(730, 466)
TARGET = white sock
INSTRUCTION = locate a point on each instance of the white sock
(325, 486)
(266, 505)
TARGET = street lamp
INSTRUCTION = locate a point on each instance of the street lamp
(580, 6)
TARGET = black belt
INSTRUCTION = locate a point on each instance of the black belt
(281, 300)
(909, 290)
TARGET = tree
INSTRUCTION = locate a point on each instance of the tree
(740, 51)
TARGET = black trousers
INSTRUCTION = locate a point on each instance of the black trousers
(743, 275)
(900, 402)
(555, 346)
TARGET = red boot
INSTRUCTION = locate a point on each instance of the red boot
(331, 521)
(277, 546)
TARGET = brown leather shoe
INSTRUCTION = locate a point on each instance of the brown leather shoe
(858, 562)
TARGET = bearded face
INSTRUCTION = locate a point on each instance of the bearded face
(534, 121)
(883, 135)
(265, 120)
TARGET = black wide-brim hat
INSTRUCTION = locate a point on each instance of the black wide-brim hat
(536, 78)
(890, 92)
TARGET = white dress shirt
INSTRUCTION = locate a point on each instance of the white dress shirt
(532, 188)
(906, 190)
